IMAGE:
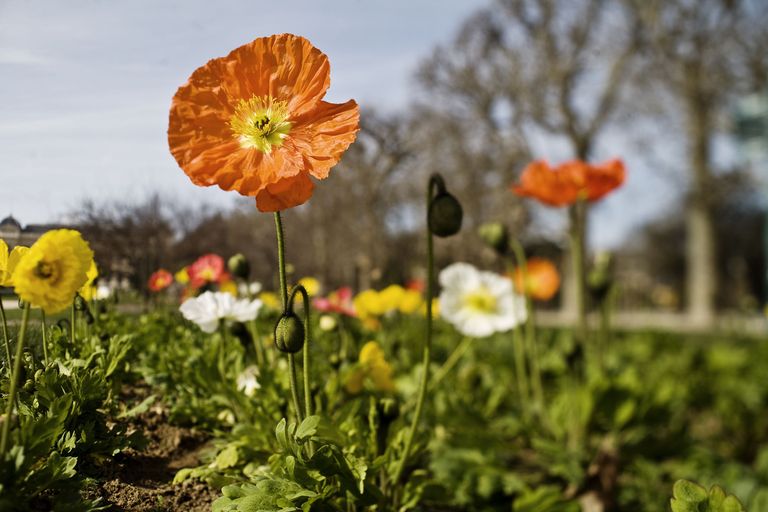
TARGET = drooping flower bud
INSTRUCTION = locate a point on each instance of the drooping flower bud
(239, 267)
(445, 215)
(495, 235)
(289, 333)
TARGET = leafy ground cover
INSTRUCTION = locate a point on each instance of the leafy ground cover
(150, 413)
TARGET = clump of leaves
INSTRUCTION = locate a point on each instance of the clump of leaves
(690, 497)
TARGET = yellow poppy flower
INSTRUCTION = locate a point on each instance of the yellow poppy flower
(367, 304)
(229, 287)
(8, 262)
(390, 297)
(53, 269)
(372, 367)
(88, 291)
(410, 302)
(310, 284)
(271, 300)
(182, 276)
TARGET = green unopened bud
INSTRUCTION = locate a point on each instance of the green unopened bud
(239, 267)
(445, 215)
(289, 333)
(495, 235)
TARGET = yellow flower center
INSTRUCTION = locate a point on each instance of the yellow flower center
(45, 270)
(260, 122)
(480, 301)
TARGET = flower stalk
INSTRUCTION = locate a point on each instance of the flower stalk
(443, 219)
(14, 383)
(578, 252)
(5, 334)
(286, 310)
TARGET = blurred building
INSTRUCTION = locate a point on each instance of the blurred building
(13, 233)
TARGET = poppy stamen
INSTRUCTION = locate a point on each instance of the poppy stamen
(260, 122)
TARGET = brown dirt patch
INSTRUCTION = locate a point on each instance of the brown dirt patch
(142, 481)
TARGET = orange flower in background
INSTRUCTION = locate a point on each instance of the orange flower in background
(160, 280)
(543, 279)
(255, 122)
(208, 268)
(565, 184)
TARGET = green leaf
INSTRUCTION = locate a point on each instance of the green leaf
(228, 457)
(307, 429)
(691, 497)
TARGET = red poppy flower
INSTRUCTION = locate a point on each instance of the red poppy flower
(160, 280)
(565, 184)
(339, 301)
(543, 279)
(255, 122)
(208, 268)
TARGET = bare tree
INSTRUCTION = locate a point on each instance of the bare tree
(520, 69)
(705, 53)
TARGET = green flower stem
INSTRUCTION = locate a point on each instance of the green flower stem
(578, 254)
(5, 335)
(14, 381)
(520, 371)
(295, 388)
(257, 343)
(449, 363)
(427, 356)
(531, 345)
(254, 328)
(281, 259)
(72, 320)
(45, 339)
(284, 296)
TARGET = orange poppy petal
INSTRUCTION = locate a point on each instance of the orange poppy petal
(325, 133)
(286, 193)
(550, 186)
(283, 66)
(605, 177)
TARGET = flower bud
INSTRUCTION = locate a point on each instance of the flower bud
(445, 215)
(289, 333)
(239, 267)
(495, 235)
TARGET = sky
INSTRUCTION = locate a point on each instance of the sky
(85, 87)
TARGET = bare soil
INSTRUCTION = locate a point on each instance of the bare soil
(142, 481)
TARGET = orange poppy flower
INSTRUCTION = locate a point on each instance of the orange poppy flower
(255, 122)
(160, 280)
(565, 184)
(543, 279)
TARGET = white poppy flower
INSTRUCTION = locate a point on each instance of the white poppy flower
(479, 303)
(249, 289)
(248, 382)
(103, 292)
(209, 308)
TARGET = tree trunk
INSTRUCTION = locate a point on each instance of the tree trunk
(701, 272)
